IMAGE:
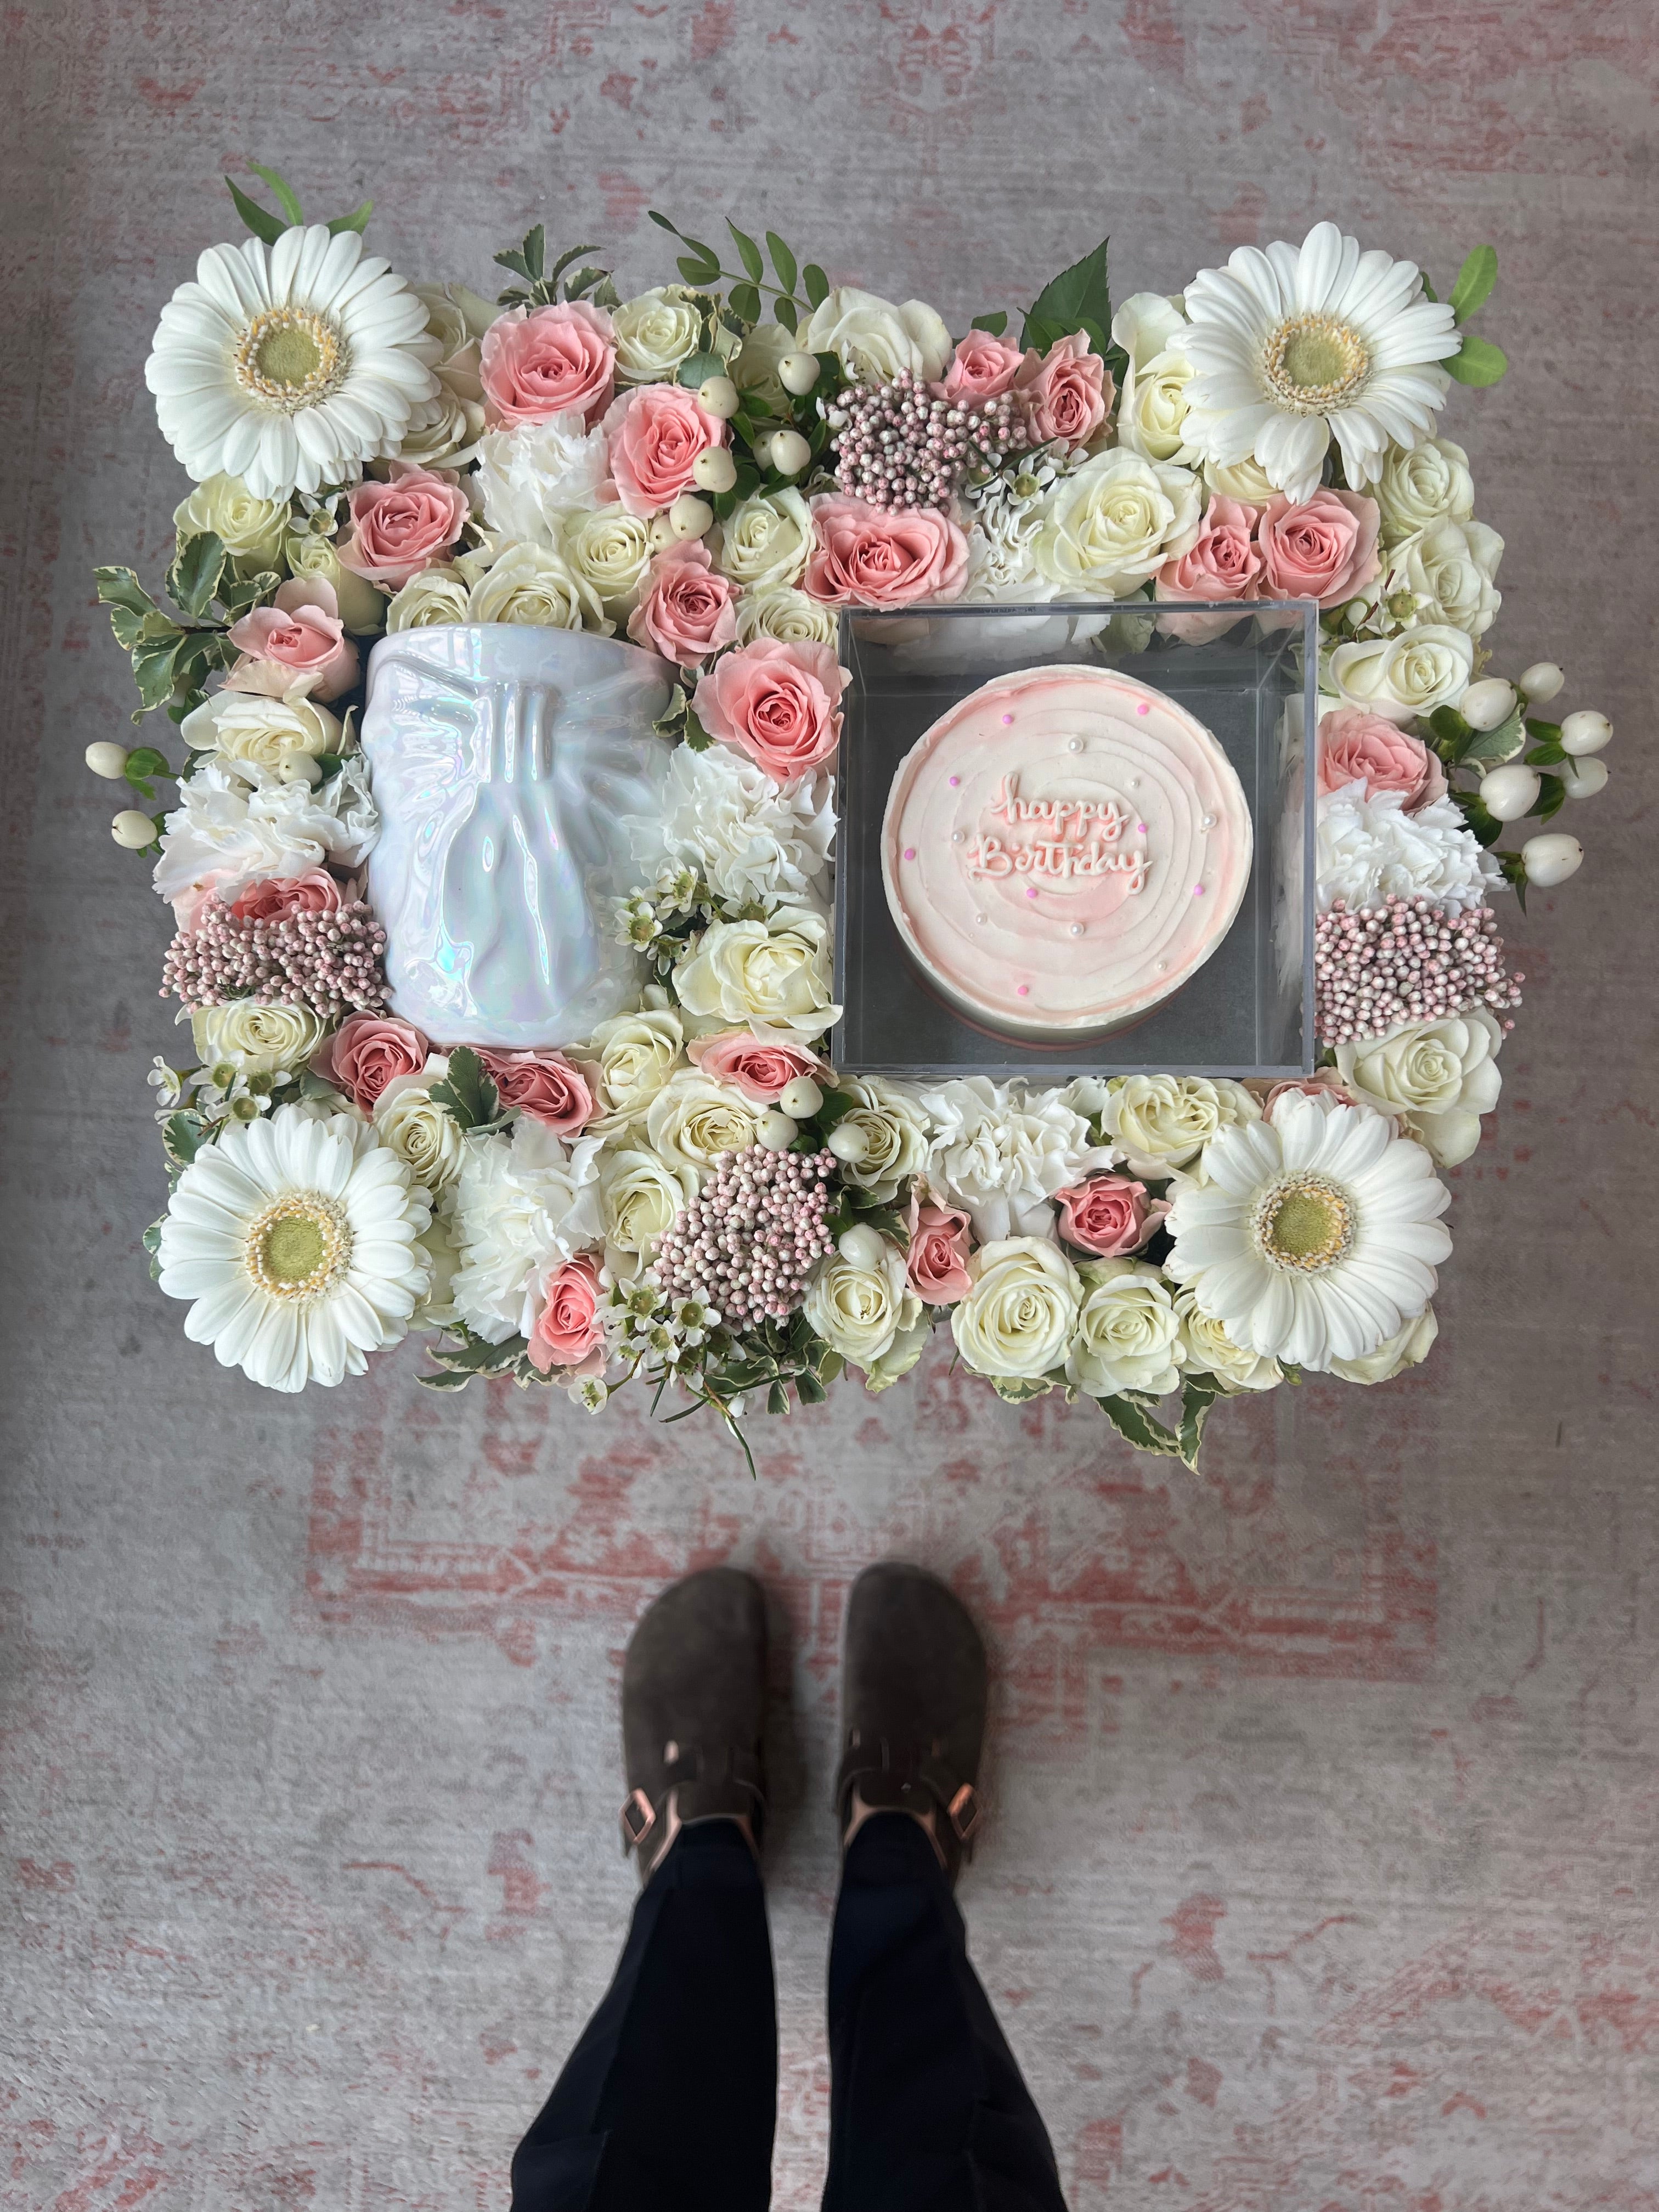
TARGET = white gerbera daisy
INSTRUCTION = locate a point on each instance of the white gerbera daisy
(296, 1238)
(1314, 1236)
(290, 365)
(1293, 346)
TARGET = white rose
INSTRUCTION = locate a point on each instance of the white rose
(859, 1311)
(754, 366)
(1211, 1351)
(693, 1118)
(362, 608)
(1245, 480)
(789, 616)
(1017, 1321)
(1161, 1122)
(422, 1133)
(776, 971)
(530, 478)
(873, 339)
(609, 549)
(255, 1038)
(766, 540)
(1407, 1347)
(1447, 569)
(640, 1197)
(438, 594)
(443, 433)
(1441, 1076)
(1152, 410)
(1426, 482)
(1144, 325)
(1128, 1334)
(250, 530)
(251, 727)
(654, 333)
(635, 1055)
(1109, 524)
(529, 584)
(1402, 678)
(883, 1141)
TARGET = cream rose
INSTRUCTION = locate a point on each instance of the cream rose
(1448, 569)
(634, 1054)
(1246, 480)
(765, 540)
(253, 730)
(1407, 1347)
(874, 339)
(693, 1119)
(1441, 1076)
(1405, 677)
(1211, 1351)
(883, 1141)
(1128, 1334)
(1428, 482)
(529, 584)
(255, 1038)
(790, 616)
(1017, 1321)
(438, 594)
(443, 431)
(654, 333)
(422, 1133)
(860, 1311)
(609, 549)
(1161, 1122)
(362, 608)
(776, 971)
(1109, 525)
(250, 530)
(640, 1197)
(1152, 410)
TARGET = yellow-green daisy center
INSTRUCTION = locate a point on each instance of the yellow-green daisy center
(1304, 1222)
(299, 1245)
(288, 358)
(1313, 363)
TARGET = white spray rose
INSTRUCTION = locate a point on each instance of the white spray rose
(634, 1055)
(1144, 325)
(1162, 1122)
(1211, 1351)
(776, 971)
(860, 1311)
(443, 431)
(252, 729)
(1017, 1321)
(654, 333)
(693, 1118)
(788, 615)
(883, 1139)
(609, 549)
(528, 584)
(765, 541)
(1405, 677)
(1109, 525)
(255, 1038)
(530, 479)
(1407, 1347)
(873, 339)
(422, 1133)
(1128, 1334)
(1441, 1076)
(1246, 480)
(250, 530)
(437, 594)
(1447, 570)
(1422, 484)
(640, 1197)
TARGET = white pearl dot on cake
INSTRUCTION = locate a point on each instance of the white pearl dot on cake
(979, 917)
(955, 836)
(1135, 783)
(1160, 966)
(1208, 823)
(1076, 929)
(1074, 744)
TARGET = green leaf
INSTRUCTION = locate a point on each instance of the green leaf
(120, 588)
(697, 272)
(783, 262)
(259, 221)
(1492, 748)
(1199, 1393)
(181, 1134)
(1548, 755)
(745, 301)
(809, 1389)
(1138, 1427)
(1429, 292)
(584, 282)
(286, 198)
(1452, 733)
(817, 284)
(1016, 1389)
(698, 368)
(193, 579)
(357, 220)
(777, 1398)
(1515, 875)
(663, 223)
(241, 593)
(752, 259)
(534, 250)
(1486, 826)
(696, 735)
(153, 669)
(1553, 798)
(995, 322)
(1478, 363)
(1077, 295)
(447, 1378)
(1474, 282)
(533, 246)
(510, 257)
(784, 311)
(466, 1093)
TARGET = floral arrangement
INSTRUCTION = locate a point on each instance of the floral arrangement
(692, 1197)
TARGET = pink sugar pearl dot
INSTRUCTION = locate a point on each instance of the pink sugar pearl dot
(1025, 990)
(1198, 890)
(909, 852)
(1007, 718)
(1030, 890)
(1144, 707)
(955, 780)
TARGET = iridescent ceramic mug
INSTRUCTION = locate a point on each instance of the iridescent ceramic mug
(507, 760)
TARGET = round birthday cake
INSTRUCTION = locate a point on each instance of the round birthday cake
(1062, 850)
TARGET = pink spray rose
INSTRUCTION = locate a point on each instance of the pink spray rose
(1355, 747)
(366, 1052)
(403, 525)
(1066, 391)
(761, 1067)
(937, 1264)
(276, 898)
(875, 557)
(686, 612)
(300, 634)
(543, 1084)
(1323, 549)
(1108, 1215)
(1323, 1083)
(538, 362)
(776, 703)
(568, 1331)
(1223, 563)
(654, 435)
(983, 367)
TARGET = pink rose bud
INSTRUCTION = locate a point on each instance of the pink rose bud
(655, 435)
(686, 611)
(937, 1263)
(568, 1331)
(539, 362)
(1108, 1215)
(404, 525)
(277, 896)
(1066, 391)
(299, 635)
(776, 703)
(1323, 548)
(365, 1052)
(762, 1068)
(877, 557)
(543, 1084)
(983, 367)
(1355, 747)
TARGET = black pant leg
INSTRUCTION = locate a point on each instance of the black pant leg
(928, 2111)
(670, 2096)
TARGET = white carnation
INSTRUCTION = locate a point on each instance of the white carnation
(723, 816)
(1371, 850)
(237, 825)
(519, 1203)
(532, 477)
(1002, 1153)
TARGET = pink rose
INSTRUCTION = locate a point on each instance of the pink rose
(877, 557)
(298, 634)
(762, 1066)
(535, 363)
(1324, 549)
(1355, 747)
(776, 703)
(403, 525)
(1323, 1083)
(1223, 563)
(568, 1331)
(365, 1052)
(1066, 391)
(1108, 1215)
(983, 367)
(937, 1264)
(654, 435)
(545, 1085)
(687, 610)
(277, 896)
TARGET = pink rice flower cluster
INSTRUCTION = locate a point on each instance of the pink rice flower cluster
(333, 962)
(900, 445)
(747, 1245)
(1406, 961)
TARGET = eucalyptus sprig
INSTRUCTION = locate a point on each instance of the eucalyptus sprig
(174, 654)
(261, 222)
(702, 267)
(544, 287)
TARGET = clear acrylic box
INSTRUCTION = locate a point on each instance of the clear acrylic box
(1249, 1010)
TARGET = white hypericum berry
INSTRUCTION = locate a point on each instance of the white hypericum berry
(776, 1131)
(1584, 779)
(1487, 703)
(1508, 793)
(299, 767)
(1586, 732)
(761, 446)
(1541, 682)
(798, 373)
(801, 1098)
(790, 453)
(718, 396)
(107, 760)
(690, 516)
(1550, 860)
(860, 1246)
(715, 469)
(132, 830)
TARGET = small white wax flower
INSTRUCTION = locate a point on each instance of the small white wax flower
(718, 396)
(132, 830)
(798, 373)
(1586, 732)
(107, 760)
(715, 469)
(690, 516)
(860, 1246)
(1550, 860)
(1541, 682)
(801, 1098)
(1584, 779)
(1508, 793)
(790, 453)
(1487, 703)
(775, 1131)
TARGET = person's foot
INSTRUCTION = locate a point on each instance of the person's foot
(694, 1707)
(913, 1686)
